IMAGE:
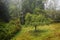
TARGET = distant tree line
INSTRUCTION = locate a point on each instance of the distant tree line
(30, 6)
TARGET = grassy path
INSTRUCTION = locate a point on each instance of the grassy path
(47, 32)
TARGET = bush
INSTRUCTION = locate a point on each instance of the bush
(8, 30)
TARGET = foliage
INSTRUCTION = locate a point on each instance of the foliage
(14, 11)
(8, 30)
(39, 11)
(33, 19)
(54, 15)
(30, 5)
(4, 14)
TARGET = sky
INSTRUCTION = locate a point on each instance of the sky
(52, 3)
(58, 4)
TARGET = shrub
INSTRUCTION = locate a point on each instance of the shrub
(8, 30)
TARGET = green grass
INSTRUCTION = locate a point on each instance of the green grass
(46, 32)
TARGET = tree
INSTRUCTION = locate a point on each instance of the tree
(29, 6)
(36, 20)
(54, 15)
(4, 13)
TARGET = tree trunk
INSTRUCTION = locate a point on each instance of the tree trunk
(35, 28)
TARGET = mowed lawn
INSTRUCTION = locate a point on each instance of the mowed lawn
(46, 32)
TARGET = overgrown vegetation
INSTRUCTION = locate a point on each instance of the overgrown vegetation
(46, 32)
(29, 19)
(8, 30)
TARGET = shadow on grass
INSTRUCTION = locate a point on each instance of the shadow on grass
(37, 32)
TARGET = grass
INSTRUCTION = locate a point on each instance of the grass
(46, 32)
